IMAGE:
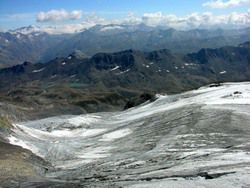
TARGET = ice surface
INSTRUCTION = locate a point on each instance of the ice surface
(167, 142)
(79, 120)
(26, 145)
(116, 135)
(229, 181)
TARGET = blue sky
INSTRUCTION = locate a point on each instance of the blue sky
(18, 13)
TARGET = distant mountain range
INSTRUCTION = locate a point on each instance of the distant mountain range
(114, 78)
(29, 44)
(17, 47)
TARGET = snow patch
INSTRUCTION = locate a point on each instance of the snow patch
(72, 164)
(123, 72)
(37, 34)
(77, 132)
(115, 68)
(27, 30)
(18, 36)
(95, 153)
(18, 142)
(39, 70)
(189, 64)
(223, 72)
(80, 120)
(116, 135)
(107, 28)
(54, 134)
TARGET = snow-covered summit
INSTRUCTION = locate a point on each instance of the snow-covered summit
(26, 30)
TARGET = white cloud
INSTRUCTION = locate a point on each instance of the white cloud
(58, 15)
(204, 20)
(131, 19)
(89, 21)
(65, 28)
(224, 4)
(197, 20)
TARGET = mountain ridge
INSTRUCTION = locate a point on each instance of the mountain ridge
(30, 44)
(108, 81)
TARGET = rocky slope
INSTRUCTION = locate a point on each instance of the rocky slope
(17, 47)
(111, 38)
(199, 138)
(30, 44)
(107, 81)
(17, 164)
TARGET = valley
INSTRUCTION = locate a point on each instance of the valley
(197, 138)
(35, 45)
(114, 81)
(124, 94)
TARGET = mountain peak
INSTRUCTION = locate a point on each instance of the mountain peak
(245, 44)
(78, 54)
(26, 30)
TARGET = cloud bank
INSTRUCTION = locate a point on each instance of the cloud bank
(224, 4)
(206, 20)
(58, 15)
(197, 20)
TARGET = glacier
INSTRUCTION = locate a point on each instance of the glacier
(199, 138)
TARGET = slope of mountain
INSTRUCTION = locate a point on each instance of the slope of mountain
(25, 44)
(144, 38)
(198, 138)
(31, 44)
(107, 81)
(26, 30)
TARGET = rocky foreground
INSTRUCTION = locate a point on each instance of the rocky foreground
(197, 139)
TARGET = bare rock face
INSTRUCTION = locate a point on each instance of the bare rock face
(18, 165)
(197, 138)
(139, 100)
(5, 124)
(109, 81)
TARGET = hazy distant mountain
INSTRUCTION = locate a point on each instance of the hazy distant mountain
(28, 44)
(158, 70)
(26, 30)
(111, 38)
(25, 44)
